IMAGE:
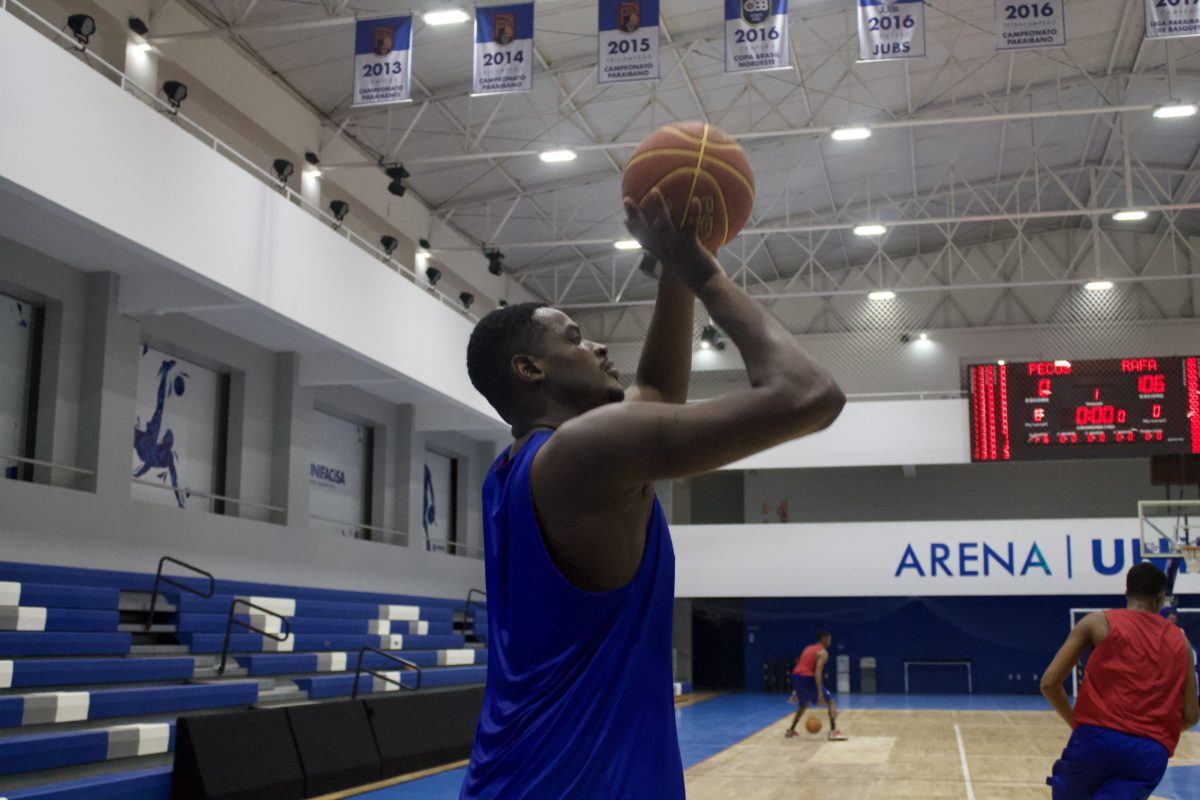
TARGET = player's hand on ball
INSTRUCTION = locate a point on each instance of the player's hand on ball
(677, 249)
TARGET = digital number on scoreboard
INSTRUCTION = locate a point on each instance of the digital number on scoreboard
(1110, 408)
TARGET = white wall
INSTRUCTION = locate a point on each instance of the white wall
(883, 559)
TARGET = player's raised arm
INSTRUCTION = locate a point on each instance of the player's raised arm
(665, 368)
(626, 445)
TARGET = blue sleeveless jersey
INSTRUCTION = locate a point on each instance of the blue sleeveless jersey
(579, 700)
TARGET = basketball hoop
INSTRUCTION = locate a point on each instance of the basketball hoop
(1191, 557)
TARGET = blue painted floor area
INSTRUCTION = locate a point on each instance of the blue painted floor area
(711, 726)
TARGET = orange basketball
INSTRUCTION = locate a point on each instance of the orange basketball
(812, 725)
(694, 159)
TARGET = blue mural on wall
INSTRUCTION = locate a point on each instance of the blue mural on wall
(428, 505)
(155, 452)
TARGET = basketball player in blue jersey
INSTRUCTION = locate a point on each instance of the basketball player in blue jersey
(580, 567)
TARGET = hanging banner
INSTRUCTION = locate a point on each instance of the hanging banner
(628, 41)
(382, 61)
(1023, 26)
(889, 29)
(1172, 19)
(756, 36)
(503, 49)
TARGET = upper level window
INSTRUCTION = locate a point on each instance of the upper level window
(19, 322)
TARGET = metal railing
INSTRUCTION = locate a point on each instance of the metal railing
(159, 578)
(38, 463)
(187, 491)
(405, 666)
(285, 627)
(131, 86)
(471, 602)
(453, 548)
(393, 536)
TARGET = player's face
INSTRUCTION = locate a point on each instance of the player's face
(578, 371)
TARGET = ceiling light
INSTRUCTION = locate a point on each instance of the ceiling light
(1175, 110)
(137, 26)
(557, 156)
(311, 157)
(82, 26)
(627, 244)
(316, 173)
(433, 275)
(710, 337)
(502, 304)
(448, 16)
(340, 209)
(495, 261)
(423, 244)
(145, 47)
(1130, 215)
(283, 169)
(176, 93)
(870, 229)
(922, 336)
(851, 134)
(883, 294)
(1098, 286)
(398, 175)
(466, 298)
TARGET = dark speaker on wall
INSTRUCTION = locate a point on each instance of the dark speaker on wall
(242, 755)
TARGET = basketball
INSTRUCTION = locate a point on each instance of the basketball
(694, 159)
(812, 725)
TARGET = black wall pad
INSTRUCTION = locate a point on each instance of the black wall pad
(242, 755)
(336, 746)
(423, 730)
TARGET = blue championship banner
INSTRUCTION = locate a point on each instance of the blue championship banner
(503, 49)
(889, 29)
(1172, 19)
(1026, 24)
(382, 61)
(628, 41)
(756, 35)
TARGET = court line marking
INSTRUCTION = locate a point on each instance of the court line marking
(962, 757)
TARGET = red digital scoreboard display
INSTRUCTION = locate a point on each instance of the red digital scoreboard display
(1110, 408)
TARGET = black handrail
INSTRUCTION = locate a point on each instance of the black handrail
(160, 578)
(407, 665)
(287, 627)
(467, 605)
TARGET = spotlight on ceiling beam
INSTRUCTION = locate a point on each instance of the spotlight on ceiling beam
(502, 304)
(446, 16)
(433, 275)
(311, 157)
(627, 244)
(870, 229)
(137, 26)
(495, 261)
(1130, 215)
(398, 174)
(466, 298)
(144, 47)
(557, 156)
(176, 93)
(339, 209)
(1098, 286)
(710, 338)
(923, 336)
(423, 244)
(283, 169)
(1175, 110)
(852, 134)
(389, 245)
(82, 26)
(882, 294)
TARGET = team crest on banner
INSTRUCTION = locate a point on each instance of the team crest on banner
(756, 35)
(503, 49)
(382, 61)
(1172, 19)
(627, 41)
(889, 29)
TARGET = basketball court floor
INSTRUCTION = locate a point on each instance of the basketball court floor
(905, 747)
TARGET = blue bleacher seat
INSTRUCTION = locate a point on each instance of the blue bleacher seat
(56, 596)
(342, 685)
(30, 673)
(63, 644)
(304, 607)
(144, 784)
(50, 707)
(31, 618)
(312, 642)
(215, 623)
(20, 754)
(298, 663)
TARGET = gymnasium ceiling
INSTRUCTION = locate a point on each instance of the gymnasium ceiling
(1016, 266)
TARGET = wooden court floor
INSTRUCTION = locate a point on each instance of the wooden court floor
(898, 754)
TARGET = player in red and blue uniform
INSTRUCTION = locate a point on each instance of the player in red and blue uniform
(809, 685)
(1137, 697)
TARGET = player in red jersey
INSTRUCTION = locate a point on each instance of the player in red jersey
(1137, 697)
(808, 685)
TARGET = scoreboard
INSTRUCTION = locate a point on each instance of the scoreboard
(1109, 408)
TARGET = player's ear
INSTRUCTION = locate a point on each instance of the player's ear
(528, 369)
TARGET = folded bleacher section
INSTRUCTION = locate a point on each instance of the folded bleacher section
(89, 695)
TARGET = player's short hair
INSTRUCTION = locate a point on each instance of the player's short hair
(498, 337)
(1145, 580)
(823, 635)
